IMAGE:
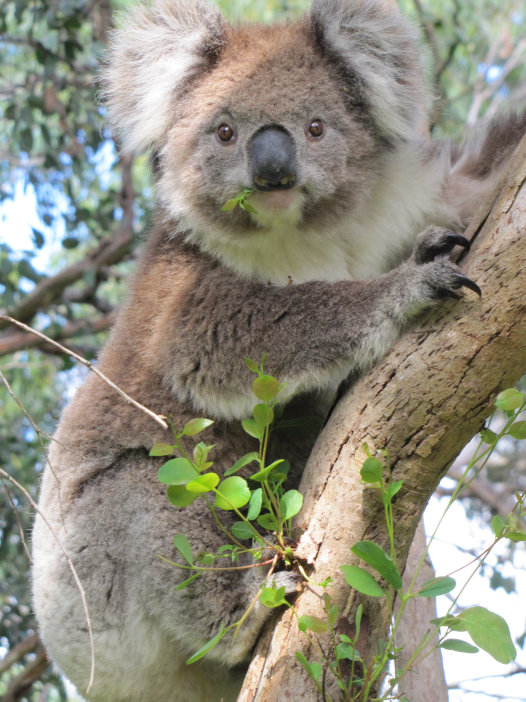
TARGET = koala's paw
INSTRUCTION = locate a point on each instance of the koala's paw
(442, 276)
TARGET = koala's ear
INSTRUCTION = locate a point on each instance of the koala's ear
(375, 45)
(159, 47)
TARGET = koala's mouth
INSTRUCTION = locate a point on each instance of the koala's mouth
(276, 200)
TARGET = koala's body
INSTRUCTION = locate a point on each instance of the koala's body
(322, 119)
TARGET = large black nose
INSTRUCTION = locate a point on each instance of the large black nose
(273, 159)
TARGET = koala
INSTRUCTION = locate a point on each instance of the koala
(353, 212)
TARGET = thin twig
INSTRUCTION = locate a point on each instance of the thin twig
(19, 523)
(156, 417)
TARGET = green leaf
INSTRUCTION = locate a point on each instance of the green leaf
(242, 462)
(232, 493)
(437, 586)
(187, 582)
(178, 471)
(196, 426)
(488, 436)
(376, 557)
(161, 449)
(254, 508)
(201, 451)
(263, 415)
(516, 536)
(251, 365)
(208, 646)
(497, 524)
(262, 475)
(393, 488)
(510, 399)
(229, 205)
(182, 544)
(490, 632)
(361, 580)
(268, 521)
(345, 650)
(518, 430)
(315, 669)
(290, 504)
(265, 387)
(242, 530)
(179, 496)
(207, 559)
(272, 597)
(307, 622)
(204, 483)
(372, 470)
(459, 645)
(253, 428)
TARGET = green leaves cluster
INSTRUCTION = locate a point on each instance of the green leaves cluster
(267, 506)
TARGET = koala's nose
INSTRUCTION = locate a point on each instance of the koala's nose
(273, 157)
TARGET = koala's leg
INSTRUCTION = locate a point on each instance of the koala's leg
(114, 532)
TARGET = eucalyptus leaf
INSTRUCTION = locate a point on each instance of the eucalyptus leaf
(204, 483)
(265, 388)
(232, 493)
(242, 462)
(208, 646)
(196, 426)
(181, 543)
(490, 632)
(177, 471)
(437, 586)
(179, 496)
(361, 580)
(290, 504)
(459, 646)
(372, 470)
(376, 557)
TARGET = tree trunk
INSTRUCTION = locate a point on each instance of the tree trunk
(423, 403)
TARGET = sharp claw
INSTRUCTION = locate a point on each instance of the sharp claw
(468, 283)
(458, 240)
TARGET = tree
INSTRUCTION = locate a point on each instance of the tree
(55, 145)
(457, 367)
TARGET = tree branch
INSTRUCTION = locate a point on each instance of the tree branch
(22, 648)
(21, 340)
(422, 403)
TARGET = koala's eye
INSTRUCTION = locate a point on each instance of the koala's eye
(316, 129)
(225, 133)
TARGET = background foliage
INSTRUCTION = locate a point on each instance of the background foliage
(59, 158)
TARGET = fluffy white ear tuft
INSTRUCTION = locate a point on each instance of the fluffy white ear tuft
(158, 48)
(376, 46)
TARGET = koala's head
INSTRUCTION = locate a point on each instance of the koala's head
(300, 113)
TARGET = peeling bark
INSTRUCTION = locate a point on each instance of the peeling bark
(423, 403)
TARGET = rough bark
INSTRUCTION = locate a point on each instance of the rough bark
(423, 403)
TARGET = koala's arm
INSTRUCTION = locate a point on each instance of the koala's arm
(313, 333)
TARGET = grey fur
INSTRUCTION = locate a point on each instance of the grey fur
(321, 279)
